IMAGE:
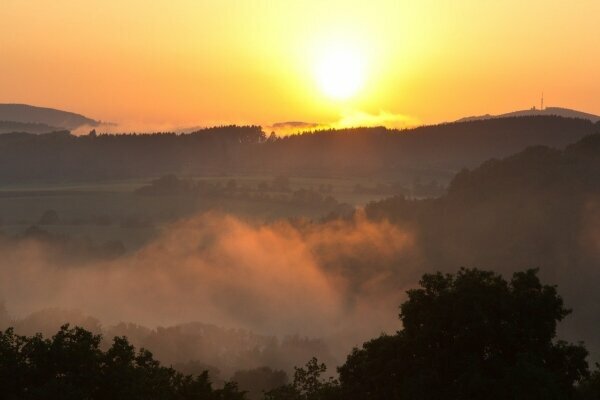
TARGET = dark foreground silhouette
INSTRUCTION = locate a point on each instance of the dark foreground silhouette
(471, 335)
(71, 365)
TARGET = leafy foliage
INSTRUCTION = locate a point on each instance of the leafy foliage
(590, 388)
(71, 365)
(469, 335)
(472, 335)
(307, 385)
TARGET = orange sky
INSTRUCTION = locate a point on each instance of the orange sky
(189, 62)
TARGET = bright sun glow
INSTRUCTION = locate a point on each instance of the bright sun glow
(340, 72)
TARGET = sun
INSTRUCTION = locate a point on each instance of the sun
(340, 72)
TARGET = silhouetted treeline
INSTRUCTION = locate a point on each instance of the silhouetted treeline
(30, 127)
(61, 156)
(471, 335)
(71, 365)
(276, 191)
(540, 207)
(468, 336)
(246, 149)
(190, 348)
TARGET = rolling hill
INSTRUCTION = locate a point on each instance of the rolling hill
(54, 119)
(548, 111)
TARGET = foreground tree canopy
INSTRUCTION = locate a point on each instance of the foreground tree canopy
(472, 335)
(71, 365)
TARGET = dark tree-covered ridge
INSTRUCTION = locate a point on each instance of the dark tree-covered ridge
(245, 149)
(540, 207)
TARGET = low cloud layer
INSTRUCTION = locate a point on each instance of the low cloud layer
(349, 119)
(382, 118)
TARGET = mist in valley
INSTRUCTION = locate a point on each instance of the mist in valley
(249, 276)
(327, 286)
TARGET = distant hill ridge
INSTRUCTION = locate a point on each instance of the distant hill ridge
(54, 119)
(367, 152)
(26, 127)
(548, 111)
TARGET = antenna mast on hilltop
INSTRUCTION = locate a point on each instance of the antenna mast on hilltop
(542, 103)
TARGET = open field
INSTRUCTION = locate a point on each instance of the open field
(108, 211)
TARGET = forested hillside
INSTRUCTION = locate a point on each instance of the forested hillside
(437, 150)
(538, 208)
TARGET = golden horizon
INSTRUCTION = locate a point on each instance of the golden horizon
(207, 63)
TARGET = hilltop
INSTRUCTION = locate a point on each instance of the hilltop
(23, 116)
(548, 111)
